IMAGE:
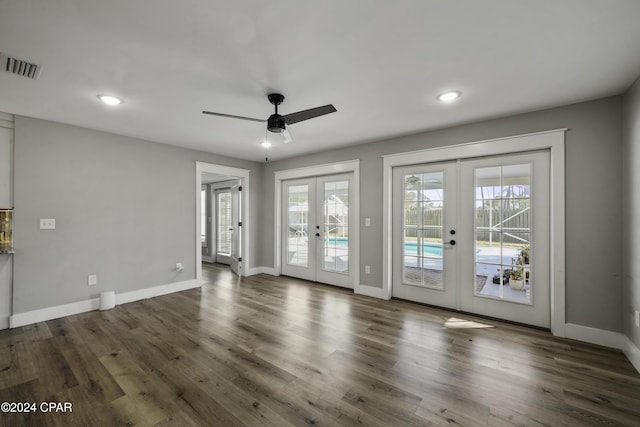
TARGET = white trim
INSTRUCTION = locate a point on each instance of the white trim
(595, 336)
(156, 291)
(350, 166)
(632, 352)
(56, 312)
(552, 140)
(260, 270)
(371, 291)
(234, 173)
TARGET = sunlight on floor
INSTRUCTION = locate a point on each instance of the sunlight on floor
(455, 323)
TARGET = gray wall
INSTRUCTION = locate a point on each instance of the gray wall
(124, 210)
(631, 212)
(593, 198)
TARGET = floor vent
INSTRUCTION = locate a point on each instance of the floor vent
(19, 67)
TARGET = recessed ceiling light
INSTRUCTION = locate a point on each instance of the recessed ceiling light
(265, 144)
(449, 96)
(110, 100)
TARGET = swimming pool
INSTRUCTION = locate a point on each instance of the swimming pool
(410, 248)
(428, 249)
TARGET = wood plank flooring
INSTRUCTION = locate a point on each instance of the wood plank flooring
(279, 351)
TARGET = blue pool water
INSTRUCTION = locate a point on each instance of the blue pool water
(410, 249)
(428, 249)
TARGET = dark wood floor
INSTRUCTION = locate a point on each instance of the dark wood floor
(279, 351)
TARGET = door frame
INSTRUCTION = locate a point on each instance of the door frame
(350, 166)
(233, 173)
(552, 140)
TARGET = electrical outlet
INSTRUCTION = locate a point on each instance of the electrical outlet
(92, 279)
(179, 266)
(367, 222)
(367, 269)
(637, 319)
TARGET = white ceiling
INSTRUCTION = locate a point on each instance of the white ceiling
(381, 63)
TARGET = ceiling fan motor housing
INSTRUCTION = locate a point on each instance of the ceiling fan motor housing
(275, 123)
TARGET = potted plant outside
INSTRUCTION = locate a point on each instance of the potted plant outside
(517, 282)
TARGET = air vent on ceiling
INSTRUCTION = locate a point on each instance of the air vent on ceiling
(20, 67)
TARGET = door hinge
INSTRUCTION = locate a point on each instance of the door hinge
(240, 224)
(240, 188)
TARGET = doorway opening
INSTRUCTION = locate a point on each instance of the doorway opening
(222, 219)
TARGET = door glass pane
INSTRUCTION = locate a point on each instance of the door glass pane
(223, 235)
(203, 216)
(335, 220)
(503, 230)
(298, 225)
(423, 229)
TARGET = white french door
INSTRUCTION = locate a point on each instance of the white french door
(424, 244)
(473, 235)
(236, 229)
(315, 229)
(224, 226)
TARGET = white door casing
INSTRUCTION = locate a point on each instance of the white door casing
(234, 173)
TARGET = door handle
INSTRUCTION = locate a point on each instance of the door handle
(450, 242)
(317, 234)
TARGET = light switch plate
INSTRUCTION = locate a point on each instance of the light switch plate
(47, 223)
(367, 222)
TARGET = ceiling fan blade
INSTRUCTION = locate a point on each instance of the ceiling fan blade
(309, 114)
(233, 117)
(286, 136)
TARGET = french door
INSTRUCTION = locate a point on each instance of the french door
(473, 235)
(229, 227)
(236, 230)
(315, 231)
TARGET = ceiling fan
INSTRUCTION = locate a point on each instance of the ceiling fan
(277, 123)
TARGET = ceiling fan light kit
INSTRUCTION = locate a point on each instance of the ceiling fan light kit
(277, 123)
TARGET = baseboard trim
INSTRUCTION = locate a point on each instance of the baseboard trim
(595, 336)
(156, 291)
(260, 270)
(370, 291)
(56, 312)
(632, 352)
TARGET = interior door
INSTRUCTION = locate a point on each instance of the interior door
(224, 226)
(315, 232)
(424, 235)
(236, 229)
